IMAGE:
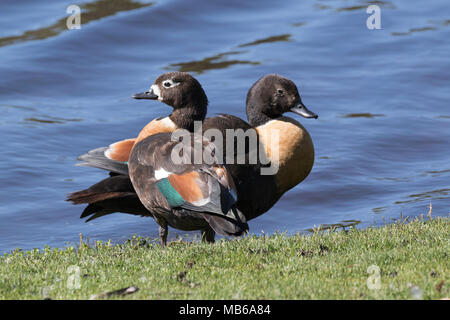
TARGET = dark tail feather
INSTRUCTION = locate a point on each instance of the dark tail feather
(233, 224)
(96, 158)
(113, 194)
(125, 203)
(105, 189)
(86, 196)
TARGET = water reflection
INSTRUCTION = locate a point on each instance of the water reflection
(443, 23)
(219, 61)
(90, 12)
(382, 4)
(210, 63)
(362, 115)
(9, 106)
(412, 30)
(50, 119)
(281, 37)
(394, 179)
(437, 172)
(379, 209)
(434, 195)
(298, 24)
(362, 6)
(322, 6)
(352, 8)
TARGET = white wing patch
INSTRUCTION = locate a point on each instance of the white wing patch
(161, 174)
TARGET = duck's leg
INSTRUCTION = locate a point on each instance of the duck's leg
(163, 231)
(208, 235)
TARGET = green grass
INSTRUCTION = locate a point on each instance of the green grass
(413, 259)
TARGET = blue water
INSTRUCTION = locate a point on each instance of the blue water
(382, 140)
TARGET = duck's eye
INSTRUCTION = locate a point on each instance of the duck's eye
(170, 83)
(279, 91)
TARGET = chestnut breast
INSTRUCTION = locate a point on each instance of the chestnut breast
(160, 125)
(293, 153)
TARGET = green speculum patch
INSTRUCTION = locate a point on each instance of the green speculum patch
(172, 196)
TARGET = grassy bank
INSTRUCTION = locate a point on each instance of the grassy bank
(401, 261)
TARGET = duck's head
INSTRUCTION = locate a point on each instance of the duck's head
(182, 92)
(272, 96)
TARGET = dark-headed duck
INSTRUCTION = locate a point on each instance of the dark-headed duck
(267, 101)
(291, 155)
(189, 197)
(179, 90)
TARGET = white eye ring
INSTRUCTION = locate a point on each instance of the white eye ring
(170, 83)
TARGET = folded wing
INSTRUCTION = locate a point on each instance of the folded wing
(162, 181)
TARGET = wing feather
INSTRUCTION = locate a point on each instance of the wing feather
(200, 187)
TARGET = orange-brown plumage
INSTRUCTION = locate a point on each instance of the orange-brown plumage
(156, 126)
(187, 185)
(120, 151)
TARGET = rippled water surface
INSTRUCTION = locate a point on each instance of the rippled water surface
(382, 140)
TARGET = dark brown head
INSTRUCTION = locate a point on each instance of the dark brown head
(271, 96)
(183, 93)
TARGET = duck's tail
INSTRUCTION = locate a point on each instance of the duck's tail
(233, 223)
(114, 194)
(97, 159)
